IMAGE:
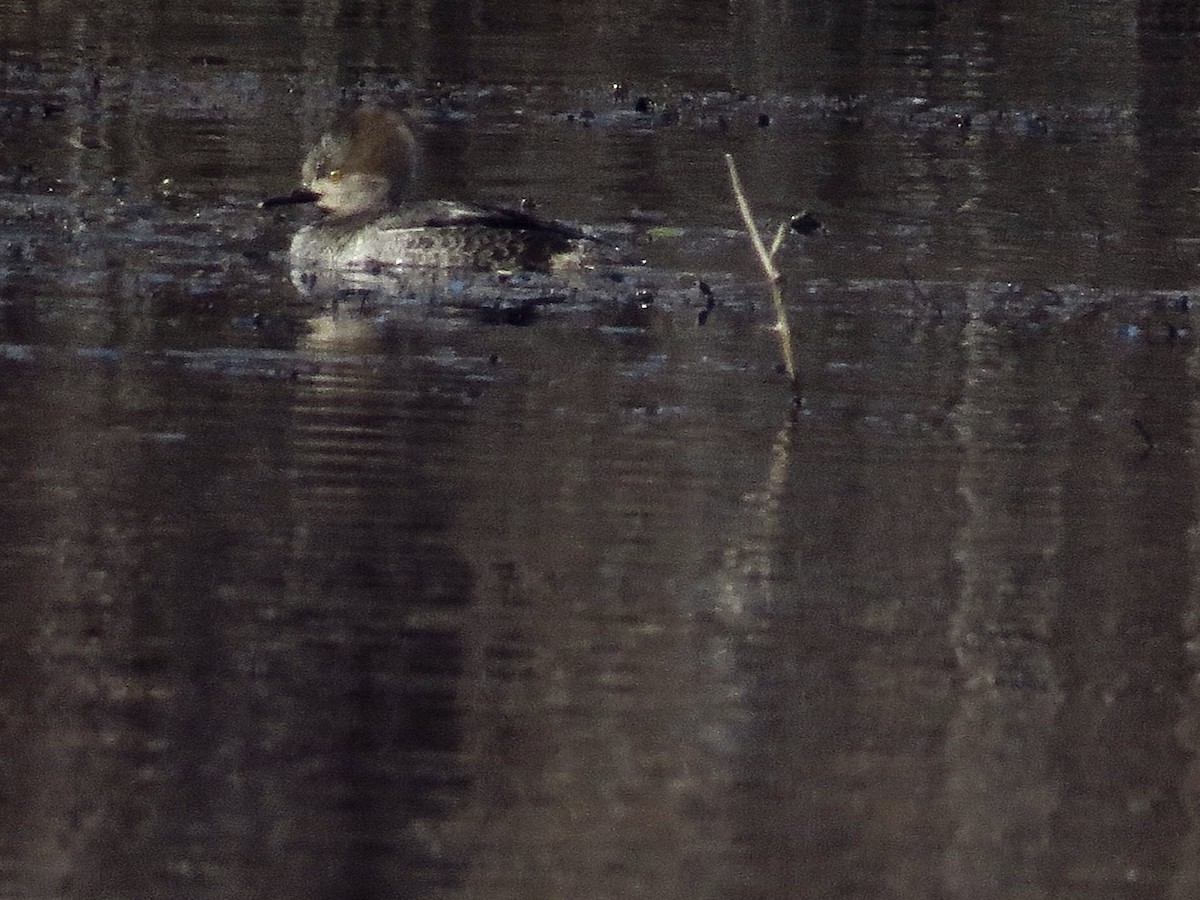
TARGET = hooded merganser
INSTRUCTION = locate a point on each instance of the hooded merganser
(359, 175)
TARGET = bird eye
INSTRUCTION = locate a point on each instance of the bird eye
(335, 175)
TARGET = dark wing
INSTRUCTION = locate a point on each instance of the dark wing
(451, 214)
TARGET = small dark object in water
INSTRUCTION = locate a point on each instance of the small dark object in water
(1184, 303)
(643, 104)
(493, 359)
(710, 302)
(763, 120)
(620, 92)
(806, 223)
(1145, 433)
(520, 315)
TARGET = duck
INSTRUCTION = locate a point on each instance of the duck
(361, 176)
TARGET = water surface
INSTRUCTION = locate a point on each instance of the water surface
(345, 596)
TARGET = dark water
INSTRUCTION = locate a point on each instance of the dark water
(345, 597)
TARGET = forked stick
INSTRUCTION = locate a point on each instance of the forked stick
(766, 260)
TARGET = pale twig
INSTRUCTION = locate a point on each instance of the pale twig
(766, 260)
(739, 195)
(778, 242)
